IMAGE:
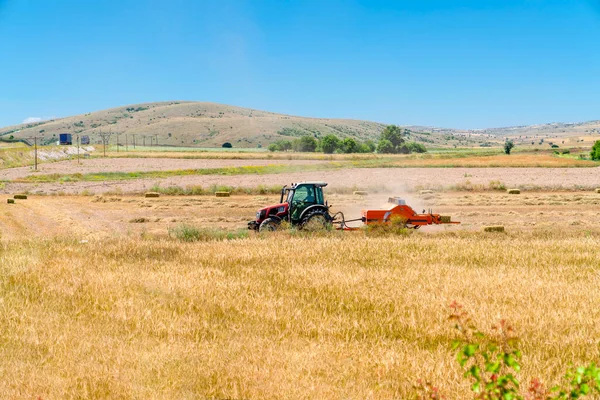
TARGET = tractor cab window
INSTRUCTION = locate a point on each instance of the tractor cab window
(305, 194)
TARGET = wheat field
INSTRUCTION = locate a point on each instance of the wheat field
(340, 315)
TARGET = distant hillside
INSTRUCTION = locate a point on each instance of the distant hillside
(195, 123)
(201, 124)
(210, 125)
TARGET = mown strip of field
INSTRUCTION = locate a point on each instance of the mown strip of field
(115, 176)
(521, 161)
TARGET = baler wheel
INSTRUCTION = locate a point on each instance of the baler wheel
(269, 225)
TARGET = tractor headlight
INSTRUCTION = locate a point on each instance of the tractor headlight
(258, 215)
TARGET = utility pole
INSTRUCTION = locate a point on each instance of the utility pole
(156, 141)
(35, 151)
(144, 139)
(134, 141)
(78, 161)
(126, 147)
(117, 142)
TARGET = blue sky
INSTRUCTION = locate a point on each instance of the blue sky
(460, 64)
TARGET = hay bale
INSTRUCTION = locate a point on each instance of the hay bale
(426, 191)
(513, 191)
(10, 201)
(494, 228)
(139, 220)
(222, 194)
(360, 193)
(597, 190)
(20, 196)
(445, 219)
(152, 194)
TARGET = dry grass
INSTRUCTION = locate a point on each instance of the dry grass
(449, 159)
(522, 160)
(340, 316)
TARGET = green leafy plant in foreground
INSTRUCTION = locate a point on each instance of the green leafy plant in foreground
(492, 364)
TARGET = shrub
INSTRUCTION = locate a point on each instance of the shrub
(497, 185)
(492, 363)
(280, 145)
(227, 145)
(371, 145)
(508, 146)
(385, 147)
(415, 147)
(595, 154)
(189, 233)
(306, 143)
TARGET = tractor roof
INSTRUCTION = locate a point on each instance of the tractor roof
(319, 184)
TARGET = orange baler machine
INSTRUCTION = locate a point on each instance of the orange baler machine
(397, 208)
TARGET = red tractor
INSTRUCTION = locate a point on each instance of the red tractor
(301, 204)
(304, 205)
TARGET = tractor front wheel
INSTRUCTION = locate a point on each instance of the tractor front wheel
(269, 225)
(316, 220)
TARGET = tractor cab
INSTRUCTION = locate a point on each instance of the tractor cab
(298, 203)
(301, 196)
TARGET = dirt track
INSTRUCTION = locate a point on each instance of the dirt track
(383, 179)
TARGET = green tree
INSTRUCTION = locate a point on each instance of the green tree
(364, 148)
(329, 144)
(386, 147)
(508, 146)
(280, 145)
(395, 135)
(596, 151)
(371, 145)
(349, 145)
(305, 143)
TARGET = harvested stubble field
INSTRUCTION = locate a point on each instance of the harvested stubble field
(334, 316)
(99, 300)
(88, 217)
(379, 179)
(133, 165)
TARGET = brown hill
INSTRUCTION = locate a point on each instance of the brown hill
(202, 124)
(194, 124)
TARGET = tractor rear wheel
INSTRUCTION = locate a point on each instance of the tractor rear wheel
(269, 225)
(316, 220)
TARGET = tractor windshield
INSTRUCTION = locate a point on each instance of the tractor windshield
(309, 194)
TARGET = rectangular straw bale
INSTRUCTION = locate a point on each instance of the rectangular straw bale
(493, 228)
(152, 194)
(514, 191)
(222, 194)
(20, 196)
